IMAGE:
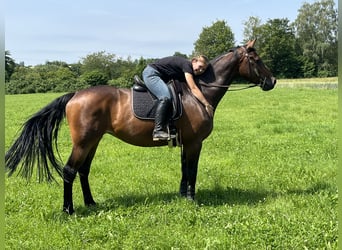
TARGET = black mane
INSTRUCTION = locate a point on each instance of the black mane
(224, 54)
(229, 51)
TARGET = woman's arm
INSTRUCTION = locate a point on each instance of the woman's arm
(198, 94)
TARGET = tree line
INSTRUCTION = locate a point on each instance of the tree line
(304, 48)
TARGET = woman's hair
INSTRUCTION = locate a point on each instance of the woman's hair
(202, 58)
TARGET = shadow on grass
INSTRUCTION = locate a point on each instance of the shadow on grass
(216, 196)
(234, 196)
(231, 196)
(207, 197)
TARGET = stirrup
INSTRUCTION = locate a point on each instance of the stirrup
(160, 136)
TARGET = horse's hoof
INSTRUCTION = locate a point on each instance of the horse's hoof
(190, 197)
(182, 194)
(187, 196)
(68, 210)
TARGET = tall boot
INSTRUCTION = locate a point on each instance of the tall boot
(161, 118)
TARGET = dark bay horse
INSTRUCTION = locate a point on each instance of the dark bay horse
(106, 109)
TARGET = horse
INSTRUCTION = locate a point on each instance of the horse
(98, 110)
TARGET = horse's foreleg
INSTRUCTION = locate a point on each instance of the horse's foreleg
(84, 173)
(184, 181)
(190, 157)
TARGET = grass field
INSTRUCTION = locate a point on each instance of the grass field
(322, 83)
(267, 180)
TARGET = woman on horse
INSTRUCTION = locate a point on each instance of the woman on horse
(156, 75)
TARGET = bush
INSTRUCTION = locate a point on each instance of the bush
(94, 78)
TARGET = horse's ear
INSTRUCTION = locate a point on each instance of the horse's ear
(251, 43)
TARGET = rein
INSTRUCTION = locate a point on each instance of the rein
(224, 86)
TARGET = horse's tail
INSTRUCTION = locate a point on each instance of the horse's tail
(37, 142)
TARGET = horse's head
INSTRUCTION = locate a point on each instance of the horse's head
(252, 68)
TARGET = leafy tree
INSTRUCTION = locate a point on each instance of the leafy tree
(180, 54)
(50, 77)
(9, 66)
(141, 64)
(65, 80)
(127, 69)
(251, 27)
(57, 63)
(76, 68)
(22, 81)
(316, 30)
(277, 47)
(100, 62)
(94, 77)
(214, 40)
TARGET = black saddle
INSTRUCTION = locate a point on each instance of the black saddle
(144, 103)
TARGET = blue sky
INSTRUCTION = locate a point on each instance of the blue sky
(45, 30)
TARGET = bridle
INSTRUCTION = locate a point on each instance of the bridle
(262, 81)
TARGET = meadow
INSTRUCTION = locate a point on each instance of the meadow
(267, 180)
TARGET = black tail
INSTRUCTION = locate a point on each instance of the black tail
(35, 143)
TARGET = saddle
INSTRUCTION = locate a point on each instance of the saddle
(144, 105)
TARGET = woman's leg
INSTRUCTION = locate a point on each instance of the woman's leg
(155, 84)
(158, 88)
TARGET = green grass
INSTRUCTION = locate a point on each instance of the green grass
(309, 80)
(266, 180)
(323, 83)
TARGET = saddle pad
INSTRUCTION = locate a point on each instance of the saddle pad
(144, 104)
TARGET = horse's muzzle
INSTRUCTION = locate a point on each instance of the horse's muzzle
(269, 83)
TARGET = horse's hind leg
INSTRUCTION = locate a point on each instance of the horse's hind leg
(84, 173)
(78, 157)
(69, 175)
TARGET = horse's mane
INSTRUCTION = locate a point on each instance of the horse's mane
(229, 51)
(209, 75)
(224, 54)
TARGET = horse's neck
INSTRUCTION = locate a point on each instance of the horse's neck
(224, 71)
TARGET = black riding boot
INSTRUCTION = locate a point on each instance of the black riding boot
(161, 118)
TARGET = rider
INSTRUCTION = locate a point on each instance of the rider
(173, 68)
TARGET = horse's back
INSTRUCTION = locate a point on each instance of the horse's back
(99, 92)
(93, 110)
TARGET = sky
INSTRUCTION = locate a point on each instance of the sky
(62, 30)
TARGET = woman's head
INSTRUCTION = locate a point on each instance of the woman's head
(199, 64)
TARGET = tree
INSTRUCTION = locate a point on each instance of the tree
(101, 62)
(214, 40)
(22, 81)
(177, 53)
(94, 77)
(250, 29)
(316, 30)
(9, 66)
(126, 69)
(48, 77)
(277, 47)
